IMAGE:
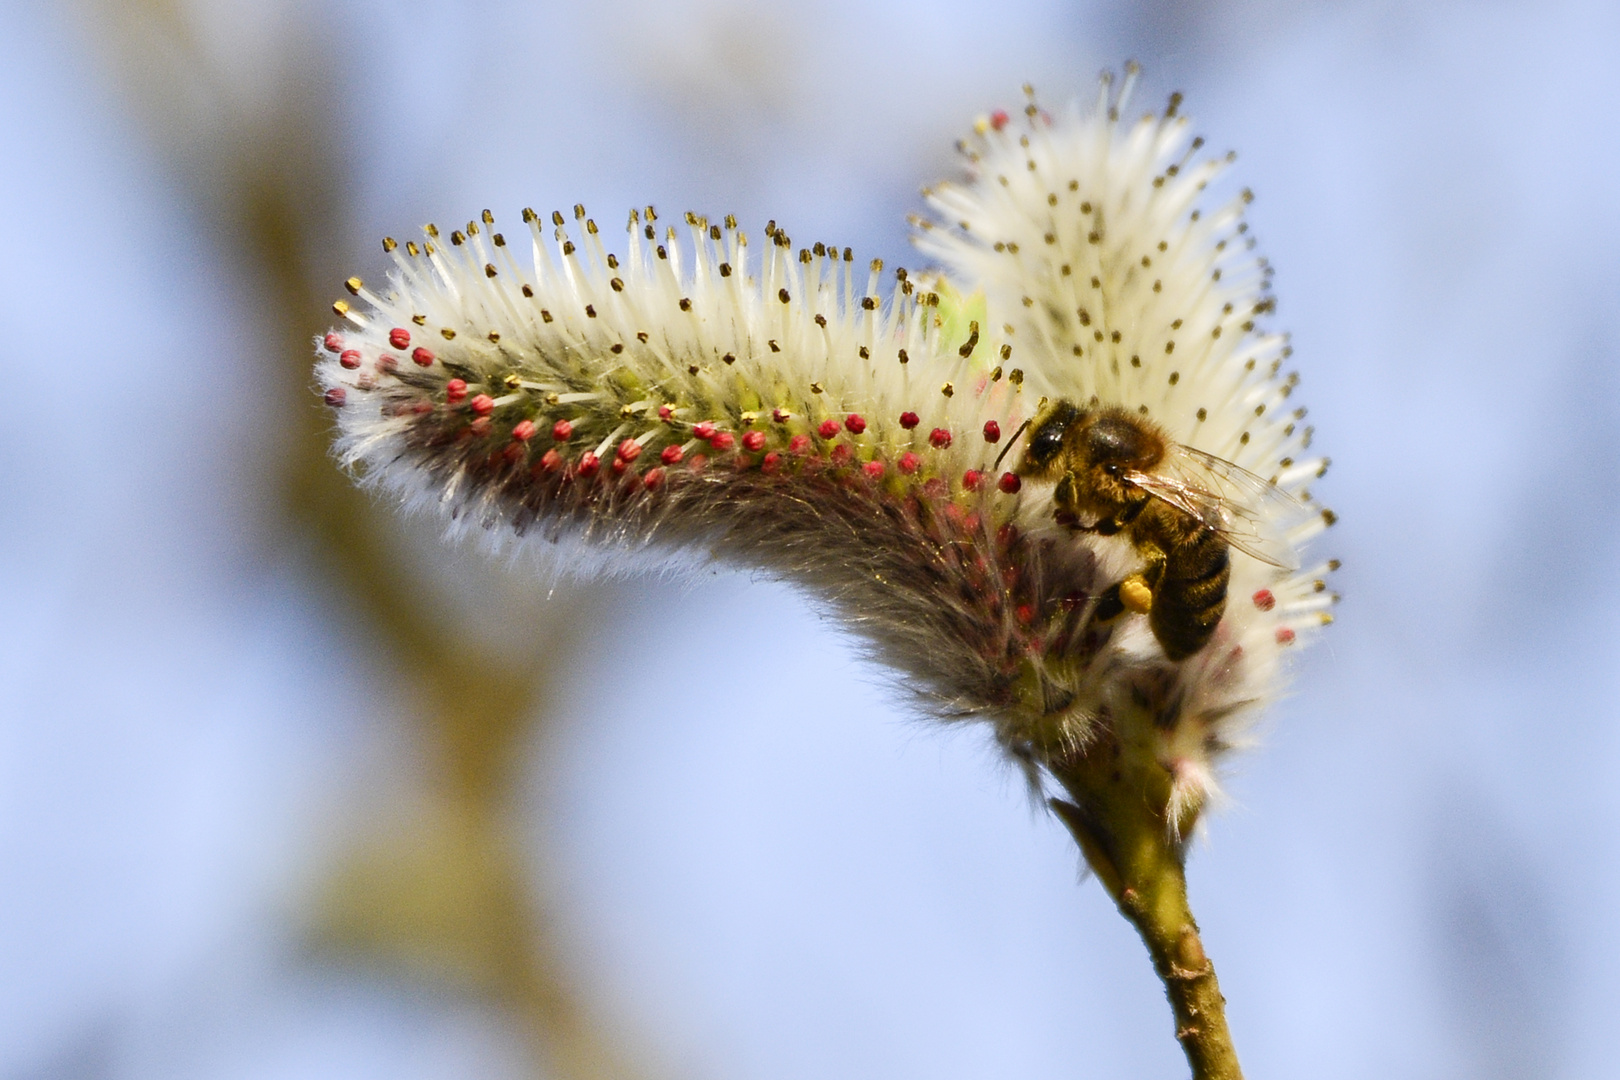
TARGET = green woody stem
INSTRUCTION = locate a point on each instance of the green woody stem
(1118, 818)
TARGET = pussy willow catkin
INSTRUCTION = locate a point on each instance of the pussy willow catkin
(785, 407)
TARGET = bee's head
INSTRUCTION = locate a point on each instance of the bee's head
(1047, 437)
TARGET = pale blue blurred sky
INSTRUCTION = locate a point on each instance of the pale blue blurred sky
(769, 868)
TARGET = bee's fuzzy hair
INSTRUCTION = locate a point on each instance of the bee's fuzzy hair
(774, 407)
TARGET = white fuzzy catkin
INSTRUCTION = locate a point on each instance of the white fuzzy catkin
(768, 404)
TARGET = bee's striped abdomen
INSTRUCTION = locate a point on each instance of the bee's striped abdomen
(1189, 596)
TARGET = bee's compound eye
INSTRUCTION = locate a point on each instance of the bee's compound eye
(1046, 439)
(1045, 443)
(1112, 468)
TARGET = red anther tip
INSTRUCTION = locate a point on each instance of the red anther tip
(399, 338)
(855, 423)
(697, 462)
(1285, 636)
(704, 430)
(551, 461)
(936, 488)
(480, 426)
(422, 408)
(628, 450)
(387, 364)
(799, 444)
(842, 453)
(1264, 600)
(455, 390)
(908, 463)
(754, 441)
(998, 119)
(992, 431)
(771, 462)
(1009, 483)
(523, 430)
(336, 397)
(655, 476)
(589, 464)
(562, 431)
(512, 453)
(723, 440)
(874, 469)
(671, 456)
(483, 405)
(909, 420)
(781, 416)
(972, 479)
(619, 465)
(333, 343)
(423, 357)
(828, 429)
(1025, 613)
(939, 438)
(350, 358)
(665, 412)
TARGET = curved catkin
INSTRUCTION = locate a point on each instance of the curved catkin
(783, 406)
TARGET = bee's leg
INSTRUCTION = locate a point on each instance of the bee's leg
(1105, 527)
(1064, 493)
(1109, 605)
(1154, 560)
(1136, 592)
(1132, 594)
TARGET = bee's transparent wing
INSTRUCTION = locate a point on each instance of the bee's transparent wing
(1251, 513)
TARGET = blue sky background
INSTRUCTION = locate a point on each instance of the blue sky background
(764, 866)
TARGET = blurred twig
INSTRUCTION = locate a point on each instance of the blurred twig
(268, 172)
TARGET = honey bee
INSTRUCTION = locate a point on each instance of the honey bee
(1182, 509)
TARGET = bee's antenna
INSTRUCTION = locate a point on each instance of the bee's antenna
(1012, 442)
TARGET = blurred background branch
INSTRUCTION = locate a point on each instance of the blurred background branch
(453, 898)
